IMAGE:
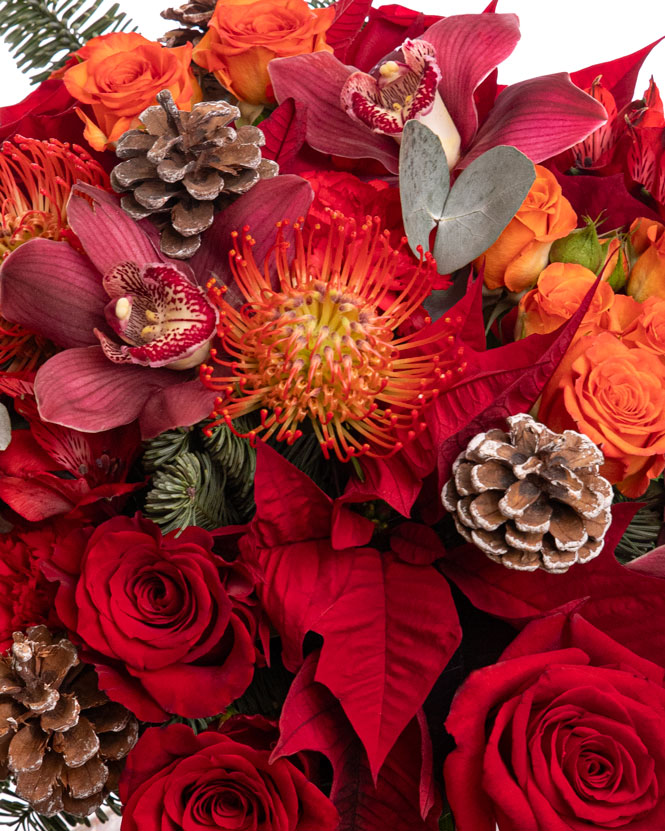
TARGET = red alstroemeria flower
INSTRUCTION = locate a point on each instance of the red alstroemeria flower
(95, 465)
(541, 116)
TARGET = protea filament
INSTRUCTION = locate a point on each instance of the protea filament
(322, 346)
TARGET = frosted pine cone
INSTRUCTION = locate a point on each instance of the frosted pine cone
(60, 736)
(531, 498)
(186, 165)
(193, 17)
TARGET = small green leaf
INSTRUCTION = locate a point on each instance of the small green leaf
(483, 200)
(424, 182)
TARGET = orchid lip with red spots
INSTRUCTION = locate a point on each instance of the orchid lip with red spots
(165, 319)
(403, 90)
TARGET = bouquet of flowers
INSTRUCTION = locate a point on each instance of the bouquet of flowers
(332, 426)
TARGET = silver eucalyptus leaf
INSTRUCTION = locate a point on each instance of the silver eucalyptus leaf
(483, 200)
(5, 428)
(424, 182)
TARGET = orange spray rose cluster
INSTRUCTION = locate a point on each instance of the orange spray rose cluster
(610, 385)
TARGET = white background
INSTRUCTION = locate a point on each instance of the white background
(557, 35)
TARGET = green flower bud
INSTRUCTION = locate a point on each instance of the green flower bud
(580, 246)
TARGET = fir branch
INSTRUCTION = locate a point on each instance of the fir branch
(189, 491)
(200, 480)
(165, 448)
(41, 34)
(16, 814)
(641, 536)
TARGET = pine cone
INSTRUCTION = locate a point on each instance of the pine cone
(194, 19)
(59, 734)
(187, 165)
(197, 13)
(531, 498)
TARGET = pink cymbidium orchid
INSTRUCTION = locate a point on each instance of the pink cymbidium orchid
(121, 286)
(348, 111)
(132, 325)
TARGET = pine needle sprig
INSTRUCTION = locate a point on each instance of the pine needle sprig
(17, 815)
(189, 491)
(199, 479)
(41, 34)
(165, 448)
(642, 534)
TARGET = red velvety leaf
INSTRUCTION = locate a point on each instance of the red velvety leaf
(392, 479)
(416, 544)
(618, 76)
(316, 80)
(349, 18)
(289, 506)
(404, 798)
(507, 380)
(370, 608)
(468, 47)
(284, 131)
(606, 195)
(615, 593)
(540, 117)
(375, 659)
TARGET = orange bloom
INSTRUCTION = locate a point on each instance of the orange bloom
(560, 290)
(648, 330)
(120, 74)
(622, 314)
(519, 255)
(647, 278)
(615, 394)
(244, 36)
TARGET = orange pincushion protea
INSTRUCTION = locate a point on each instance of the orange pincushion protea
(36, 178)
(319, 348)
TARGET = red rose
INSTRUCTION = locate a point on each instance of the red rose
(177, 781)
(566, 732)
(168, 623)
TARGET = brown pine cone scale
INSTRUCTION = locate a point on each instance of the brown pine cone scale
(60, 736)
(187, 166)
(530, 498)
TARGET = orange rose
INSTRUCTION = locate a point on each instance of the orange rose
(639, 231)
(120, 74)
(244, 36)
(647, 278)
(560, 290)
(521, 252)
(622, 314)
(648, 330)
(614, 394)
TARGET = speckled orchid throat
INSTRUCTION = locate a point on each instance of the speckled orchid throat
(162, 317)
